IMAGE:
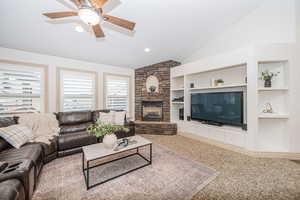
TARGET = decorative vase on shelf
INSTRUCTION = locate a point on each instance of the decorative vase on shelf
(110, 140)
(268, 83)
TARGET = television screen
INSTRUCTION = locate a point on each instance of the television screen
(223, 107)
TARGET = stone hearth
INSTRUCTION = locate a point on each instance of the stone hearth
(155, 128)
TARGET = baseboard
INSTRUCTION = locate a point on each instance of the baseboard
(284, 155)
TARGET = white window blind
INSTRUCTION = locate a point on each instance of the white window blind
(117, 92)
(20, 90)
(77, 91)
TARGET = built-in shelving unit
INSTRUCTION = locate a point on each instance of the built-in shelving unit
(272, 89)
(179, 89)
(241, 71)
(276, 96)
(177, 102)
(273, 116)
(219, 87)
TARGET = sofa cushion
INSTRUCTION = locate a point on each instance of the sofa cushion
(107, 118)
(5, 122)
(120, 118)
(70, 118)
(79, 139)
(74, 128)
(16, 135)
(12, 189)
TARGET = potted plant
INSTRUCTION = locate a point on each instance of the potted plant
(106, 130)
(152, 88)
(267, 77)
(219, 82)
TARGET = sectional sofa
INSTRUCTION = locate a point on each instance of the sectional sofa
(19, 180)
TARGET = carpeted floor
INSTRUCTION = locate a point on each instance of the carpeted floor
(170, 177)
(241, 177)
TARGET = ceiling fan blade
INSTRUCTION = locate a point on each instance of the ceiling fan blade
(77, 2)
(60, 14)
(98, 31)
(119, 22)
(98, 3)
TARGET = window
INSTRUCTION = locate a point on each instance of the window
(20, 89)
(117, 92)
(77, 90)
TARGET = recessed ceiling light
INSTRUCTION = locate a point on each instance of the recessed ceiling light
(79, 29)
(147, 50)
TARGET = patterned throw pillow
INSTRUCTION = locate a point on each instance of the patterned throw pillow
(120, 118)
(107, 118)
(16, 135)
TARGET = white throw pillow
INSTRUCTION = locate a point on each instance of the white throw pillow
(119, 118)
(107, 118)
(16, 135)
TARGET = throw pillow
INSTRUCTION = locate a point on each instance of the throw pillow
(107, 118)
(119, 118)
(16, 135)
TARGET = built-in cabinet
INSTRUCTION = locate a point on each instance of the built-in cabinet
(240, 71)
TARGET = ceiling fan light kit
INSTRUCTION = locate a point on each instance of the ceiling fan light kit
(89, 16)
(91, 13)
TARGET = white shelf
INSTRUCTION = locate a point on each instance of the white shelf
(273, 89)
(218, 87)
(178, 89)
(178, 102)
(273, 116)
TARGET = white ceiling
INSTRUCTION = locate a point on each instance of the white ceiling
(172, 29)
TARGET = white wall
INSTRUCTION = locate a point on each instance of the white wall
(272, 22)
(53, 62)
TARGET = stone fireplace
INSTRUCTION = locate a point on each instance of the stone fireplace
(152, 111)
(152, 99)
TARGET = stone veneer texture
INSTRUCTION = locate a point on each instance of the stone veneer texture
(162, 72)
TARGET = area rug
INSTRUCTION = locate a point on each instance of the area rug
(169, 177)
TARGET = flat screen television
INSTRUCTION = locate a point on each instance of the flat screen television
(222, 107)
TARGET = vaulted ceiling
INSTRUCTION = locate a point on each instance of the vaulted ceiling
(172, 29)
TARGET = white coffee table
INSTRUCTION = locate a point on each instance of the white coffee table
(99, 151)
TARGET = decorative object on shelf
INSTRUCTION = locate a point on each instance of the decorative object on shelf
(107, 130)
(268, 108)
(213, 82)
(219, 82)
(267, 76)
(152, 84)
(192, 85)
(188, 118)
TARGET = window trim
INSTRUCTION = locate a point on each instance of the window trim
(105, 75)
(59, 81)
(45, 75)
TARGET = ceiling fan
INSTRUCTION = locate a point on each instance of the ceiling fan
(91, 13)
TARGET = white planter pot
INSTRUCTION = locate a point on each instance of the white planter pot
(110, 140)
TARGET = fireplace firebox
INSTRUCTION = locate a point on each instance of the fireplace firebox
(152, 111)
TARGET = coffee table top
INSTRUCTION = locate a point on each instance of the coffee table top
(95, 151)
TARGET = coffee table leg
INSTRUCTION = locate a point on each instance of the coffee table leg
(88, 175)
(150, 153)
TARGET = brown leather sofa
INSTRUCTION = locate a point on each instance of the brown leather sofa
(20, 184)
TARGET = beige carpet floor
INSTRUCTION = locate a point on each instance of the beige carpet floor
(241, 177)
(170, 177)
